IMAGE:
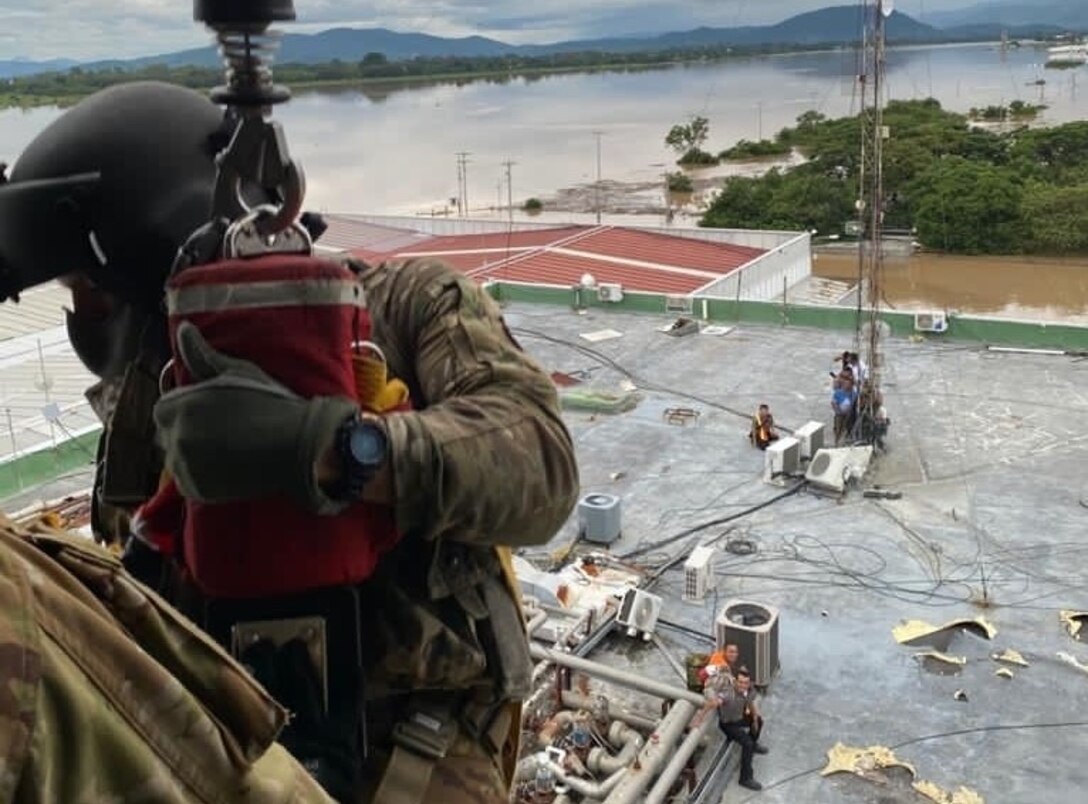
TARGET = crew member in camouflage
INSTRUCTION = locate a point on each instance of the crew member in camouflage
(482, 463)
(108, 695)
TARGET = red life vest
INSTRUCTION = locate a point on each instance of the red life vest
(298, 319)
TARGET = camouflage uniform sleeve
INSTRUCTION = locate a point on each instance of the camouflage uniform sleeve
(487, 460)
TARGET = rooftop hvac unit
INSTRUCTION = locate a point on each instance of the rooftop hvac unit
(697, 571)
(599, 518)
(930, 322)
(782, 457)
(609, 292)
(753, 628)
(639, 612)
(828, 470)
(811, 435)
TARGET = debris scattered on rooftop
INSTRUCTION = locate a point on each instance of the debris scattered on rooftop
(1010, 656)
(599, 401)
(68, 513)
(1073, 661)
(916, 631)
(960, 695)
(715, 330)
(934, 792)
(882, 494)
(681, 416)
(600, 335)
(564, 380)
(863, 762)
(681, 327)
(866, 762)
(1074, 622)
(937, 656)
(1004, 672)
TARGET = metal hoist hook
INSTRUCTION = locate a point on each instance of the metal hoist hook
(257, 158)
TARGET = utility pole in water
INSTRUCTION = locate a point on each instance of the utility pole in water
(509, 189)
(462, 182)
(597, 186)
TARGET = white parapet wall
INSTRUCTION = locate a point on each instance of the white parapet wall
(768, 276)
(443, 227)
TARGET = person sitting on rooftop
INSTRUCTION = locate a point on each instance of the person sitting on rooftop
(763, 431)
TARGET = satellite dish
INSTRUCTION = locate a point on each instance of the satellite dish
(887, 7)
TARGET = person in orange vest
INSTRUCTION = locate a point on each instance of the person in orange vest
(763, 432)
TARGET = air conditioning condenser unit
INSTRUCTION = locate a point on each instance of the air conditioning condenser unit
(811, 435)
(639, 611)
(599, 518)
(782, 457)
(697, 572)
(753, 628)
(930, 322)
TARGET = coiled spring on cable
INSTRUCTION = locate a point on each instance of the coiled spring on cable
(248, 56)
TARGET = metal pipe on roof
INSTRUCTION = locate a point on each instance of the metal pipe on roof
(617, 676)
(656, 753)
(679, 760)
(616, 711)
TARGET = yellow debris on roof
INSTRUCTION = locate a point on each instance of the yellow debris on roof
(961, 795)
(1073, 621)
(1003, 672)
(847, 759)
(1010, 656)
(914, 630)
(941, 657)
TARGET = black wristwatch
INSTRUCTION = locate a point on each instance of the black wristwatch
(361, 446)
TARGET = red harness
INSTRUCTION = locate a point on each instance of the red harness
(298, 319)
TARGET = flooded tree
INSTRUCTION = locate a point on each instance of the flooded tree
(688, 139)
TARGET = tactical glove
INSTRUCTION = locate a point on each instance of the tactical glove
(237, 434)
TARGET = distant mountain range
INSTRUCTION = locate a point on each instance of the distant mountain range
(1013, 13)
(828, 26)
(17, 67)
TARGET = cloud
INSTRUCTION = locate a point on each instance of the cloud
(96, 29)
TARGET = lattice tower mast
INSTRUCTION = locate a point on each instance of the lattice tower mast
(871, 196)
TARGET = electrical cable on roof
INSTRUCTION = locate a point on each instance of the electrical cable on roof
(642, 549)
(635, 378)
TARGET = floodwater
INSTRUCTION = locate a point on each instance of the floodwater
(392, 148)
(1010, 287)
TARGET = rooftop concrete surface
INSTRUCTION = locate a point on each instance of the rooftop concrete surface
(990, 453)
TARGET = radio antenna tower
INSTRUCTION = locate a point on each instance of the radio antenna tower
(870, 204)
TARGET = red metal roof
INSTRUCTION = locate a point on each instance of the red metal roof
(561, 255)
(665, 249)
(550, 268)
(495, 240)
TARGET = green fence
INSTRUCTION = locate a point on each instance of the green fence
(999, 332)
(31, 470)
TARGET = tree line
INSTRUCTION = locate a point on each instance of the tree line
(961, 188)
(68, 85)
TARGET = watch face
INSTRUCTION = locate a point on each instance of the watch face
(368, 445)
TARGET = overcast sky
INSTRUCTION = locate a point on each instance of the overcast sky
(90, 29)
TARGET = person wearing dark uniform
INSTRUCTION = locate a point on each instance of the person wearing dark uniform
(427, 659)
(740, 721)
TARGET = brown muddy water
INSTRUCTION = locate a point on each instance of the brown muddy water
(1009, 287)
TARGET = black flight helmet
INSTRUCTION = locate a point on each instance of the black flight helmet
(111, 190)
